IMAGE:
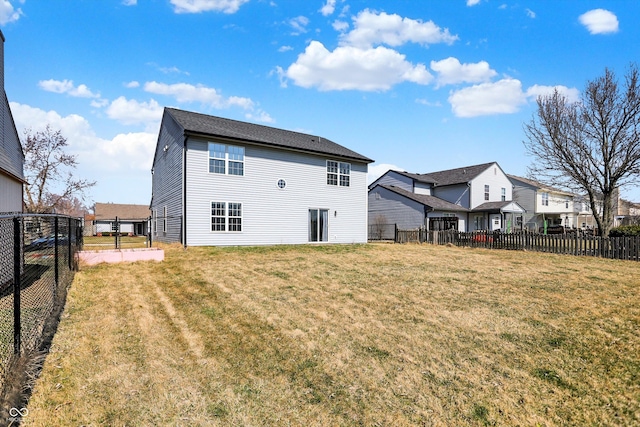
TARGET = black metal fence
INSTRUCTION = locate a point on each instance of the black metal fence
(379, 231)
(625, 248)
(117, 238)
(37, 264)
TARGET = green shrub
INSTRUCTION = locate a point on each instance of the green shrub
(625, 230)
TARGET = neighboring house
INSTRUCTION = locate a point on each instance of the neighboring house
(584, 214)
(11, 154)
(218, 182)
(546, 205)
(627, 213)
(133, 219)
(471, 198)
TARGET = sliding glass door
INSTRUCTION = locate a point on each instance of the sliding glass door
(318, 225)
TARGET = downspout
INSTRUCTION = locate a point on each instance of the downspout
(184, 193)
(467, 226)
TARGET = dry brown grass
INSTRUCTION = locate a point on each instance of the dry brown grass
(347, 335)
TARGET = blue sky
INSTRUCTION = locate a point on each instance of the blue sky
(416, 85)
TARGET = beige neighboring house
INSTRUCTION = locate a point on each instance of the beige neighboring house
(547, 204)
(133, 219)
(628, 213)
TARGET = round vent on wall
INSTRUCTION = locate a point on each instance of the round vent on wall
(282, 183)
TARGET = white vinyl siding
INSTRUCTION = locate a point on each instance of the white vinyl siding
(10, 194)
(270, 214)
(496, 180)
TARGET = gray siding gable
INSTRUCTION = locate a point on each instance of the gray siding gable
(391, 207)
(11, 155)
(167, 181)
(396, 179)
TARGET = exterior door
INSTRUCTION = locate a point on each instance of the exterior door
(318, 225)
(495, 222)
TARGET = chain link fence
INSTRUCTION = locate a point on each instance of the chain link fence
(37, 264)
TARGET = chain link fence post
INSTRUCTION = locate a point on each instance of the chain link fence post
(17, 249)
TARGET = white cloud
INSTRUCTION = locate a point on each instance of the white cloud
(131, 151)
(129, 2)
(284, 48)
(530, 13)
(599, 21)
(502, 97)
(352, 68)
(8, 13)
(428, 103)
(184, 92)
(131, 112)
(197, 6)
(99, 103)
(299, 25)
(472, 2)
(172, 70)
(451, 71)
(260, 116)
(340, 26)
(371, 28)
(132, 84)
(66, 86)
(328, 8)
(572, 94)
(375, 171)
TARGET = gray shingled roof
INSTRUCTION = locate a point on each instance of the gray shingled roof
(109, 211)
(431, 201)
(459, 175)
(420, 177)
(538, 184)
(202, 124)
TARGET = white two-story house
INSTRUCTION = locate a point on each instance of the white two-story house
(470, 198)
(218, 182)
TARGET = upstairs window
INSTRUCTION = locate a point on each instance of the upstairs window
(503, 194)
(226, 159)
(338, 173)
(545, 199)
(486, 192)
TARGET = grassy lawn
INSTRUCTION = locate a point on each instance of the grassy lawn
(366, 335)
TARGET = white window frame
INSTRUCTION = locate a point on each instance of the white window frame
(231, 216)
(503, 194)
(164, 219)
(486, 192)
(545, 198)
(155, 222)
(338, 173)
(233, 159)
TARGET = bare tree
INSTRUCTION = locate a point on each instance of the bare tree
(590, 147)
(48, 172)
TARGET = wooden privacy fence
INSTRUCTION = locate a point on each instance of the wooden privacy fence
(626, 248)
